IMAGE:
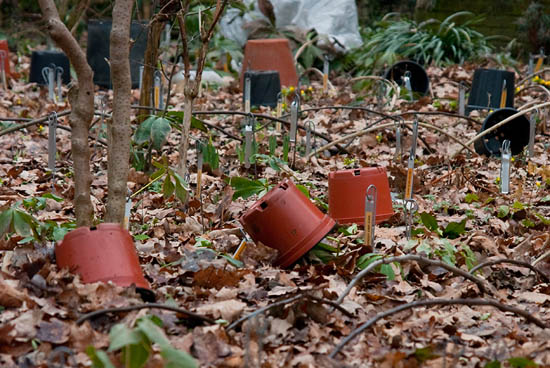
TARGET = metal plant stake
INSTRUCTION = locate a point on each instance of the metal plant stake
(407, 80)
(141, 68)
(247, 95)
(410, 164)
(3, 58)
(461, 99)
(326, 66)
(157, 90)
(48, 73)
(398, 146)
(505, 156)
(248, 138)
(409, 208)
(370, 214)
(279, 112)
(293, 126)
(310, 129)
(52, 149)
(59, 79)
(127, 210)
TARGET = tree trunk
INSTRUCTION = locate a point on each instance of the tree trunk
(81, 99)
(150, 62)
(120, 129)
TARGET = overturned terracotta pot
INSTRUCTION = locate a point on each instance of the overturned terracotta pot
(347, 188)
(286, 220)
(105, 253)
(270, 54)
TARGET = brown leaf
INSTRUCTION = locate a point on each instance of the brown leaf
(55, 331)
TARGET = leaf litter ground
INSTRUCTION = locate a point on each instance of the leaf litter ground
(42, 303)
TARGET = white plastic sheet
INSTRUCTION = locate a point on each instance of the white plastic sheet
(335, 19)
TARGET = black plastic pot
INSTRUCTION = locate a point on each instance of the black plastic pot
(516, 131)
(99, 33)
(49, 58)
(420, 83)
(264, 87)
(489, 82)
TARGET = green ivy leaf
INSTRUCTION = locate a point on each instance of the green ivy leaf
(168, 187)
(454, 229)
(245, 188)
(174, 358)
(23, 223)
(429, 221)
(503, 211)
(143, 132)
(6, 219)
(159, 132)
(471, 197)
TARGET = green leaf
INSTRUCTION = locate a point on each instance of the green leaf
(518, 206)
(454, 229)
(23, 223)
(471, 197)
(59, 233)
(153, 332)
(366, 259)
(245, 188)
(520, 362)
(493, 364)
(387, 269)
(135, 356)
(425, 248)
(53, 196)
(503, 211)
(121, 336)
(143, 132)
(99, 358)
(303, 189)
(6, 219)
(174, 358)
(141, 237)
(168, 187)
(429, 221)
(350, 230)
(159, 132)
(177, 116)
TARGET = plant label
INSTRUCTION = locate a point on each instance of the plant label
(532, 129)
(279, 111)
(398, 147)
(505, 156)
(48, 73)
(59, 81)
(503, 95)
(52, 126)
(240, 249)
(380, 92)
(461, 99)
(247, 95)
(3, 57)
(293, 120)
(408, 86)
(127, 211)
(370, 214)
(326, 66)
(410, 164)
(248, 135)
(157, 96)
(141, 67)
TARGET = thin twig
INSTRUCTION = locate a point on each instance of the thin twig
(31, 123)
(426, 303)
(143, 306)
(511, 261)
(419, 259)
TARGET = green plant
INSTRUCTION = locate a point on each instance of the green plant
(136, 345)
(430, 41)
(366, 259)
(452, 231)
(18, 220)
(245, 188)
(534, 27)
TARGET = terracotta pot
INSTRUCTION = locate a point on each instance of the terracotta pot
(420, 83)
(270, 54)
(286, 220)
(4, 47)
(516, 131)
(103, 254)
(347, 189)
